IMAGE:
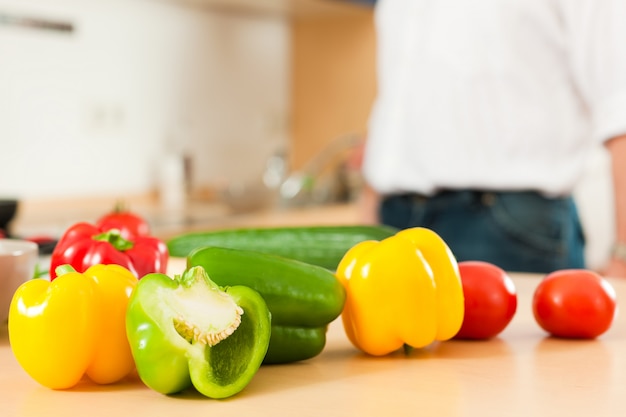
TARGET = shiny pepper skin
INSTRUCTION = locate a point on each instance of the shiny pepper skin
(73, 326)
(403, 291)
(84, 244)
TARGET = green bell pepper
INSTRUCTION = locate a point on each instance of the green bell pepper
(188, 331)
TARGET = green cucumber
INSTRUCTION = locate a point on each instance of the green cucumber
(302, 298)
(292, 344)
(318, 245)
(296, 293)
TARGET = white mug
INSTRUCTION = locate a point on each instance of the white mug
(18, 259)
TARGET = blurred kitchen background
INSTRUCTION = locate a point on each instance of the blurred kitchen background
(195, 111)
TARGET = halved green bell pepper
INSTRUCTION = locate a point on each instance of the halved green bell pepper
(188, 331)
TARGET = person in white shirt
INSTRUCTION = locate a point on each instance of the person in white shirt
(485, 115)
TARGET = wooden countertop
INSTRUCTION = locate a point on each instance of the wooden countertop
(520, 373)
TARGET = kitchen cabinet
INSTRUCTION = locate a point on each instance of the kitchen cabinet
(288, 8)
(333, 85)
(332, 67)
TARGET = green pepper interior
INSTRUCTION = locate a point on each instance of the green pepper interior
(231, 357)
(203, 313)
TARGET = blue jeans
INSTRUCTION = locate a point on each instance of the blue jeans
(518, 231)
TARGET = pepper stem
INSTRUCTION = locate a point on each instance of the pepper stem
(407, 349)
(120, 207)
(64, 269)
(115, 238)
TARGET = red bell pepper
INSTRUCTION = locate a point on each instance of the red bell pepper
(128, 222)
(84, 244)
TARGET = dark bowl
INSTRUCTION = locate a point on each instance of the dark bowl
(8, 208)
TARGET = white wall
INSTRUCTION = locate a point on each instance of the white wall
(92, 112)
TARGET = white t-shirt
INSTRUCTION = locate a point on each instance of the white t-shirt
(494, 94)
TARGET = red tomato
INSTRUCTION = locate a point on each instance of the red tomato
(490, 300)
(574, 303)
(129, 223)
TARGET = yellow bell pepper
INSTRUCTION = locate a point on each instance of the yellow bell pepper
(73, 326)
(403, 291)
